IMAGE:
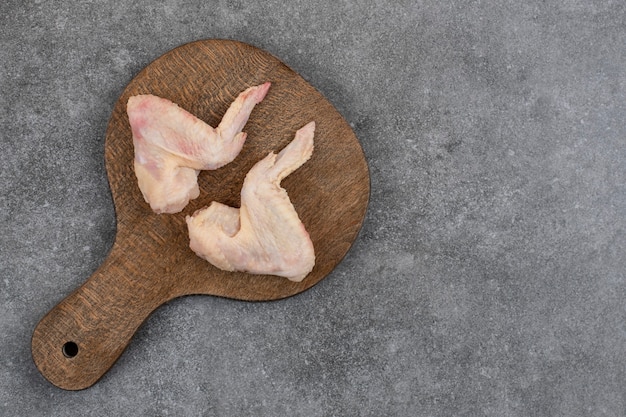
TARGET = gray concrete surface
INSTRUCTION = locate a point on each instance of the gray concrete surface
(489, 277)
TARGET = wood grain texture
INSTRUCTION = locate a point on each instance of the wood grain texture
(150, 262)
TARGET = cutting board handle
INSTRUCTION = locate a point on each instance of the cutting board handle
(81, 338)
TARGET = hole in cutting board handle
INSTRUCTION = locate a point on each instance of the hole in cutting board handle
(70, 349)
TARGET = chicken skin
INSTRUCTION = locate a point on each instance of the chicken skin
(265, 235)
(172, 146)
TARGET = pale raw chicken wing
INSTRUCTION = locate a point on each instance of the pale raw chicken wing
(264, 236)
(172, 145)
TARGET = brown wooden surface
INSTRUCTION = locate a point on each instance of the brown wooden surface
(150, 262)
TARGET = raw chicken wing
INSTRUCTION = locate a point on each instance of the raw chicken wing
(264, 236)
(172, 146)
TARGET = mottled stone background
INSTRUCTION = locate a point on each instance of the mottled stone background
(489, 276)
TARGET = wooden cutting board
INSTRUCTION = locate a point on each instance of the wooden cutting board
(150, 262)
